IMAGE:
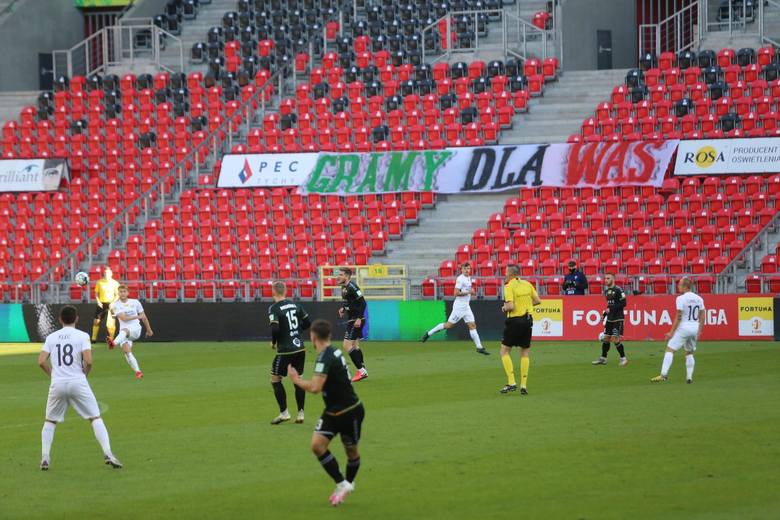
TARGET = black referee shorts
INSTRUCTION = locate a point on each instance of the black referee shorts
(518, 331)
(101, 313)
(280, 362)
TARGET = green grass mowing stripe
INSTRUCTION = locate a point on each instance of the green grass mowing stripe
(590, 442)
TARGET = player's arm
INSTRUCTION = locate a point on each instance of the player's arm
(314, 385)
(509, 302)
(97, 294)
(360, 306)
(677, 318)
(535, 300)
(145, 320)
(459, 290)
(581, 282)
(304, 322)
(275, 330)
(43, 362)
(620, 304)
(86, 356)
(702, 317)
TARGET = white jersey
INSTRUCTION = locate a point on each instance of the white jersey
(132, 308)
(692, 307)
(463, 283)
(64, 348)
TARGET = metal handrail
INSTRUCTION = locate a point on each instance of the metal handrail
(679, 18)
(742, 257)
(145, 198)
(523, 28)
(762, 19)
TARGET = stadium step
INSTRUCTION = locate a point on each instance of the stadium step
(565, 104)
(440, 231)
(11, 103)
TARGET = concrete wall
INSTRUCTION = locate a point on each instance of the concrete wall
(580, 21)
(35, 26)
(146, 8)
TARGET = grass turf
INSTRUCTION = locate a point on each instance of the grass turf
(439, 441)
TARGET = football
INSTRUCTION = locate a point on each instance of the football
(82, 278)
(601, 336)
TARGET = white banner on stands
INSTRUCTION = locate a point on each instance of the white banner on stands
(258, 170)
(728, 156)
(32, 174)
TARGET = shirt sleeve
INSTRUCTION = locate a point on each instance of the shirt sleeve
(87, 344)
(509, 294)
(679, 303)
(459, 283)
(534, 294)
(138, 307)
(272, 318)
(46, 347)
(322, 365)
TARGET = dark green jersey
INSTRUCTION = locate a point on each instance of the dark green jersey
(291, 320)
(338, 394)
(354, 303)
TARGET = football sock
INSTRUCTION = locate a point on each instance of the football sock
(668, 358)
(300, 397)
(621, 350)
(132, 362)
(525, 362)
(120, 338)
(509, 369)
(353, 465)
(111, 326)
(436, 329)
(604, 348)
(331, 466)
(357, 357)
(689, 364)
(475, 338)
(47, 437)
(95, 330)
(281, 395)
(101, 434)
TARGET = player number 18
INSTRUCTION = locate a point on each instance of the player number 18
(65, 354)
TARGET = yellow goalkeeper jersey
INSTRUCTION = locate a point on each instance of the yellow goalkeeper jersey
(106, 291)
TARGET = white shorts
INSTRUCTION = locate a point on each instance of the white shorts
(461, 313)
(76, 393)
(133, 331)
(683, 337)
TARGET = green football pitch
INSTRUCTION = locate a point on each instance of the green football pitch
(438, 440)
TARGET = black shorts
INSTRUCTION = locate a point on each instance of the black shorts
(354, 333)
(518, 331)
(101, 313)
(279, 365)
(348, 425)
(613, 328)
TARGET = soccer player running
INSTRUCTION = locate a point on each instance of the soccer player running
(520, 297)
(106, 293)
(130, 314)
(343, 414)
(686, 330)
(66, 357)
(287, 320)
(613, 326)
(461, 310)
(353, 308)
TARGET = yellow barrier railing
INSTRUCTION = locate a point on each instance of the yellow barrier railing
(377, 281)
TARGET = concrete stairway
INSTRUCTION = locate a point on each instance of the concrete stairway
(440, 232)
(11, 103)
(565, 104)
(749, 260)
(192, 31)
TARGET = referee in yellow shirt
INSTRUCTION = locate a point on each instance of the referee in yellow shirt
(520, 297)
(106, 293)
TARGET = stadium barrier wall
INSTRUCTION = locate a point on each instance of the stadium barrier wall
(729, 317)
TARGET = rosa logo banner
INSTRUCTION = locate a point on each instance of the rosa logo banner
(455, 170)
(258, 170)
(728, 156)
(32, 174)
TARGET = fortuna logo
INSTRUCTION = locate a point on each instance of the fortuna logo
(246, 172)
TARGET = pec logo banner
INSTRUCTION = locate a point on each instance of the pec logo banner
(756, 317)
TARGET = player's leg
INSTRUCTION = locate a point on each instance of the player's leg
(525, 359)
(675, 342)
(324, 432)
(127, 349)
(618, 341)
(83, 401)
(110, 325)
(350, 438)
(279, 369)
(120, 338)
(472, 326)
(509, 368)
(299, 362)
(352, 346)
(606, 341)
(96, 323)
(56, 406)
(690, 362)
(451, 321)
